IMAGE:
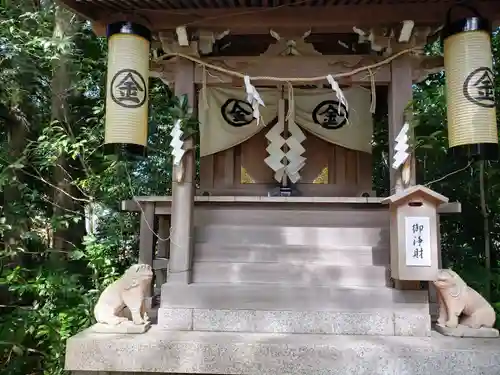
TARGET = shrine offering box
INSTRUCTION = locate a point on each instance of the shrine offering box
(414, 233)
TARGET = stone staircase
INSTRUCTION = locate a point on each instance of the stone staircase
(279, 270)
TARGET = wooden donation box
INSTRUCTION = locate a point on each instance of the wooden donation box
(414, 233)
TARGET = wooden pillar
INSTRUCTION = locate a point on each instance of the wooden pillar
(433, 301)
(181, 237)
(162, 256)
(146, 240)
(146, 236)
(400, 95)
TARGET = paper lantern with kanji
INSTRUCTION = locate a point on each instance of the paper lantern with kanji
(472, 126)
(126, 122)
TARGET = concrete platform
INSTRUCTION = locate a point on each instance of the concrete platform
(159, 351)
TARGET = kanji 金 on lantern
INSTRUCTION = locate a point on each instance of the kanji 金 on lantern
(472, 126)
(126, 129)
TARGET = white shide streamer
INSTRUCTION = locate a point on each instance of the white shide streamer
(291, 162)
(340, 95)
(253, 98)
(295, 160)
(176, 143)
(276, 154)
(401, 147)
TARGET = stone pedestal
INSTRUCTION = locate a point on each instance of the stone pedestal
(463, 331)
(161, 352)
(126, 327)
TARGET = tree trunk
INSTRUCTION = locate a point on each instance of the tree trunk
(64, 29)
(17, 132)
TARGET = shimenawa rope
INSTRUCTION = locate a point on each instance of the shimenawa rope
(286, 79)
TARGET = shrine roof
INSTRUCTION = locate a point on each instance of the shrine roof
(168, 14)
(413, 191)
(120, 5)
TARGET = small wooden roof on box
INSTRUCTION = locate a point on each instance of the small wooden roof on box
(416, 191)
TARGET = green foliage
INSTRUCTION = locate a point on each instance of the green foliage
(47, 292)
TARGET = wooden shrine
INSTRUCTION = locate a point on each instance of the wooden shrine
(283, 233)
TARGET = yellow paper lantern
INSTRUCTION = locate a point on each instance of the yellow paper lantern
(127, 89)
(472, 125)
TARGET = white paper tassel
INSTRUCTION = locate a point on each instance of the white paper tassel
(276, 142)
(253, 98)
(401, 147)
(338, 91)
(291, 162)
(276, 154)
(176, 143)
(295, 150)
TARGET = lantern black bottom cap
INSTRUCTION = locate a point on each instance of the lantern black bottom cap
(128, 151)
(475, 152)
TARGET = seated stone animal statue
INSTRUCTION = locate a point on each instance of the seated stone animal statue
(460, 304)
(128, 292)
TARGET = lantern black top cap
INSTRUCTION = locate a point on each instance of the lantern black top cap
(474, 23)
(127, 27)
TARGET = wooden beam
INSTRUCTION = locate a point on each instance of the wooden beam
(369, 15)
(282, 66)
(259, 20)
(298, 66)
(449, 208)
(163, 204)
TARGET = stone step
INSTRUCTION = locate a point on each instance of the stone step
(305, 236)
(296, 216)
(177, 352)
(380, 323)
(295, 254)
(294, 298)
(290, 274)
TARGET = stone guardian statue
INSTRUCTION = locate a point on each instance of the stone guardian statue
(121, 306)
(463, 312)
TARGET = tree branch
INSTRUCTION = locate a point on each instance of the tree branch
(56, 187)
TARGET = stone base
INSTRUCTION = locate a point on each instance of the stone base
(375, 323)
(464, 331)
(123, 328)
(160, 351)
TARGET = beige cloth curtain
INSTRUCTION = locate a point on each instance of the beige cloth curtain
(357, 132)
(216, 133)
(218, 105)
